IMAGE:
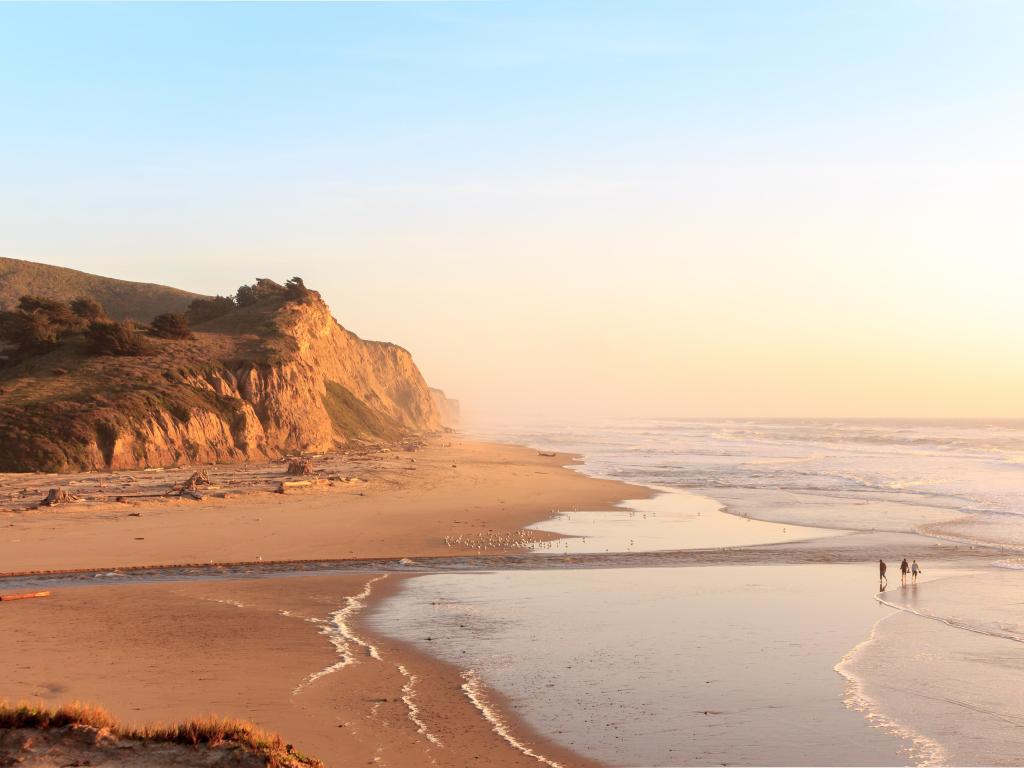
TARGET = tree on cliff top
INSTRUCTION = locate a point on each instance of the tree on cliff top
(202, 310)
(37, 325)
(117, 338)
(170, 325)
(296, 290)
(88, 309)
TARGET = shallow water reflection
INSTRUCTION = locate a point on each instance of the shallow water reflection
(673, 520)
(663, 667)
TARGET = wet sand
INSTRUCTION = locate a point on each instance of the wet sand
(655, 667)
(266, 650)
(947, 664)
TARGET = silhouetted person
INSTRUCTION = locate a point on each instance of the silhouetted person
(916, 569)
(882, 581)
(904, 570)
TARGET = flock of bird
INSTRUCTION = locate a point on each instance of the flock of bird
(501, 540)
(494, 540)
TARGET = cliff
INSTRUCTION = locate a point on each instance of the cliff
(449, 410)
(275, 377)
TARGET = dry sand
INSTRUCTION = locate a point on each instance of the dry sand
(404, 505)
(252, 648)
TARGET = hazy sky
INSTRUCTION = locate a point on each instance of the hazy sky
(630, 208)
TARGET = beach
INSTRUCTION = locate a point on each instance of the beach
(509, 610)
(394, 504)
(261, 650)
(253, 648)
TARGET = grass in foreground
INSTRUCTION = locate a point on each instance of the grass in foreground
(207, 731)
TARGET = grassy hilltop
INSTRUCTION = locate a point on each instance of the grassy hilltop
(121, 299)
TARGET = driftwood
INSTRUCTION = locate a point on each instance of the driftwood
(546, 453)
(286, 484)
(57, 496)
(190, 489)
(300, 467)
(23, 596)
(197, 479)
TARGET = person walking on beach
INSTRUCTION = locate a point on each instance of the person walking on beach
(916, 569)
(882, 581)
(904, 570)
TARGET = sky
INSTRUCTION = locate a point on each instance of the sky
(562, 209)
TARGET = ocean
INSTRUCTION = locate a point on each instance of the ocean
(958, 479)
(772, 663)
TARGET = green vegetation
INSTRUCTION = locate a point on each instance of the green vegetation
(37, 325)
(88, 309)
(204, 310)
(208, 731)
(116, 338)
(171, 325)
(263, 290)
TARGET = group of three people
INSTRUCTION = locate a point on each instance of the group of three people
(914, 569)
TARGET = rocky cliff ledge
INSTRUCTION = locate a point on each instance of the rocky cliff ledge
(274, 376)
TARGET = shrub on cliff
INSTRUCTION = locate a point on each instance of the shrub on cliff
(88, 309)
(202, 310)
(246, 296)
(116, 338)
(37, 325)
(263, 288)
(170, 326)
(296, 290)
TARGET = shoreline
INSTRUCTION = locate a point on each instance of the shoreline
(494, 490)
(396, 697)
(335, 689)
(406, 506)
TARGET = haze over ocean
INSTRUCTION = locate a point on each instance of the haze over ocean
(861, 474)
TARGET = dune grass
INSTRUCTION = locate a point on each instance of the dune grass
(209, 731)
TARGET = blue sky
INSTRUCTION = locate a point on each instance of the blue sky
(454, 155)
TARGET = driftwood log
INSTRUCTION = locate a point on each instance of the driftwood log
(57, 496)
(23, 596)
(300, 466)
(197, 479)
(190, 489)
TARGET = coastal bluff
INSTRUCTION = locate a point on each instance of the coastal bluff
(266, 377)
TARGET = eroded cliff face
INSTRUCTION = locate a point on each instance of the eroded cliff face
(448, 409)
(304, 385)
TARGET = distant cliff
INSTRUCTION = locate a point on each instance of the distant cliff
(274, 377)
(448, 409)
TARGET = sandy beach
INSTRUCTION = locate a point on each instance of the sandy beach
(269, 650)
(400, 504)
(434, 617)
(265, 650)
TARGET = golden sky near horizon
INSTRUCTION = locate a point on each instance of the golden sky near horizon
(775, 293)
(821, 295)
